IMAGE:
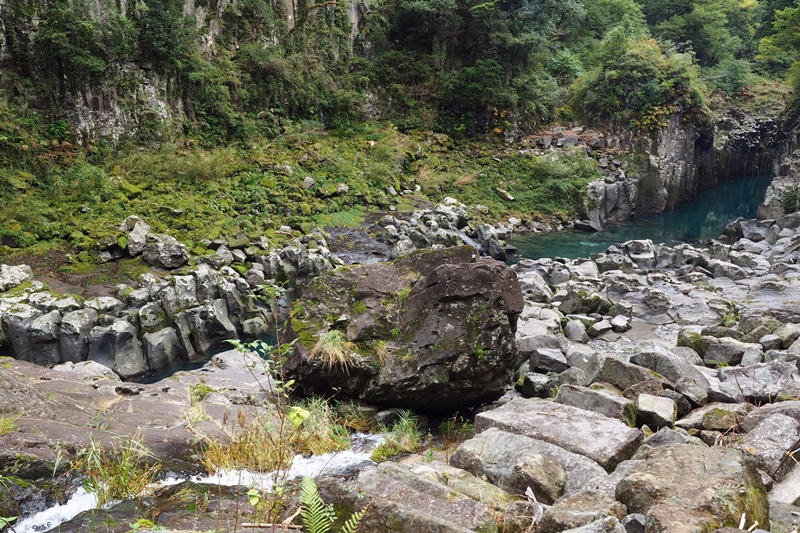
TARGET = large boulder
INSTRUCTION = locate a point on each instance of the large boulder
(434, 330)
(691, 488)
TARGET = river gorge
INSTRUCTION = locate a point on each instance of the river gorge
(607, 377)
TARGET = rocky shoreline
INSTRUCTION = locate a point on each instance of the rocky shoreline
(648, 375)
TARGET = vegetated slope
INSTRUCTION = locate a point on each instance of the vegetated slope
(206, 117)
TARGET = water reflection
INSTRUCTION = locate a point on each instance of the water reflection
(704, 218)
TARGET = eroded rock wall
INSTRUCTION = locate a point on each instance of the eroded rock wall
(683, 157)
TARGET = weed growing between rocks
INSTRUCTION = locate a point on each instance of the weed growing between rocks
(8, 424)
(404, 436)
(122, 471)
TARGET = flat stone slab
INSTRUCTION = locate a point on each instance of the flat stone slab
(604, 440)
(494, 454)
(407, 502)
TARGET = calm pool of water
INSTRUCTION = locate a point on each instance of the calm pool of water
(704, 218)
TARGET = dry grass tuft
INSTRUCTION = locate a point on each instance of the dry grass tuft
(334, 349)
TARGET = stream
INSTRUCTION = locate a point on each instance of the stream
(335, 463)
(702, 219)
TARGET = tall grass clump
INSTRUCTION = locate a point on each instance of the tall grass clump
(334, 349)
(121, 471)
(403, 436)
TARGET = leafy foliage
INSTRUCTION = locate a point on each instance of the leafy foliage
(641, 86)
(318, 517)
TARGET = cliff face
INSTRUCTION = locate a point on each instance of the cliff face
(783, 194)
(132, 68)
(683, 157)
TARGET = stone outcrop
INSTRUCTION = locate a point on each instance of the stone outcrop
(433, 330)
(683, 157)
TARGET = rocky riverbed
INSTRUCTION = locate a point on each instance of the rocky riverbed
(656, 389)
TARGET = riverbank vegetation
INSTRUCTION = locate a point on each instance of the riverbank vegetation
(207, 125)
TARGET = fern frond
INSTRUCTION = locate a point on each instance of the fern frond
(352, 523)
(317, 517)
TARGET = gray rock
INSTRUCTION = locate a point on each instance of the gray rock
(641, 252)
(688, 380)
(17, 322)
(255, 327)
(75, 328)
(582, 357)
(770, 441)
(622, 374)
(579, 510)
(45, 332)
(655, 411)
(152, 318)
(254, 277)
(571, 376)
(537, 385)
(789, 408)
(210, 325)
(185, 292)
(649, 386)
(788, 333)
(534, 287)
(715, 415)
(165, 252)
(598, 328)
(117, 347)
(576, 331)
(599, 401)
(683, 405)
(138, 297)
(65, 304)
(724, 269)
(726, 351)
(461, 481)
(494, 453)
(12, 276)
(162, 348)
(544, 475)
(728, 483)
(604, 440)
(604, 525)
(418, 504)
(206, 281)
(582, 302)
(762, 382)
(105, 305)
(621, 323)
(607, 484)
(137, 238)
(548, 360)
(634, 523)
(666, 436)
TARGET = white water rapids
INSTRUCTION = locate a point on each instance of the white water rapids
(337, 463)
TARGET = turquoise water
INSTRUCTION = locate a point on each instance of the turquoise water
(704, 218)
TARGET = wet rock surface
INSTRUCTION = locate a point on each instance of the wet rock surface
(684, 340)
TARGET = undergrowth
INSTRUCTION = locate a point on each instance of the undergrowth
(208, 193)
(121, 471)
(403, 436)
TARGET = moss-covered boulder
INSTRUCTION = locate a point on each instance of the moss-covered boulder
(698, 487)
(434, 330)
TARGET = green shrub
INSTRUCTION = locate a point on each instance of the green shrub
(639, 83)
